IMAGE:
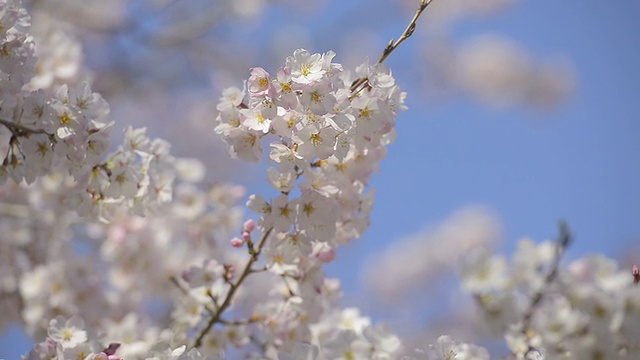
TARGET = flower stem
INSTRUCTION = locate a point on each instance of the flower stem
(393, 44)
(407, 32)
(216, 317)
(562, 242)
(21, 130)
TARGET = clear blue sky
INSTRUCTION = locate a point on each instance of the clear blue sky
(580, 162)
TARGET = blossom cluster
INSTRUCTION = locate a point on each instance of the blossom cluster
(333, 164)
(65, 129)
(590, 310)
(176, 284)
(327, 139)
(129, 264)
(67, 339)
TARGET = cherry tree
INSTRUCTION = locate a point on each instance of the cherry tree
(126, 251)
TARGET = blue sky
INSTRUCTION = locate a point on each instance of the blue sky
(578, 162)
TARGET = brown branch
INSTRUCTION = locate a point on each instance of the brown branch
(237, 322)
(175, 282)
(255, 252)
(407, 32)
(216, 317)
(393, 44)
(21, 130)
(562, 242)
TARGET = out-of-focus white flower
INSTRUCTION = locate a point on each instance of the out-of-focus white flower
(448, 349)
(68, 333)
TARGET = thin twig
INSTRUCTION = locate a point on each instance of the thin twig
(563, 241)
(215, 318)
(21, 130)
(393, 44)
(186, 292)
(407, 32)
(255, 251)
(175, 282)
(236, 322)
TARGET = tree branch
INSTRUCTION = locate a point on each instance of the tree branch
(407, 32)
(216, 317)
(562, 242)
(393, 44)
(21, 130)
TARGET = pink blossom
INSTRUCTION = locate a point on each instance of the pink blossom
(237, 242)
(249, 225)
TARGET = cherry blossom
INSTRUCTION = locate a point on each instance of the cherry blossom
(124, 251)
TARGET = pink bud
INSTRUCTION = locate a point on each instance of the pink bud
(326, 256)
(237, 242)
(636, 274)
(249, 225)
(246, 236)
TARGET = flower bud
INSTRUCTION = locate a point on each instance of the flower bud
(237, 242)
(326, 256)
(249, 225)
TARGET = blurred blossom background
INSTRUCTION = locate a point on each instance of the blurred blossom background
(520, 113)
